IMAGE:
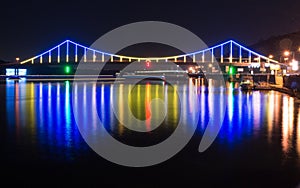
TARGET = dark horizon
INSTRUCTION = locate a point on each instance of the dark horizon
(28, 28)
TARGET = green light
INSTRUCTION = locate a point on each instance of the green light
(231, 70)
(67, 69)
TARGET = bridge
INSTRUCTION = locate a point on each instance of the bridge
(227, 52)
(232, 57)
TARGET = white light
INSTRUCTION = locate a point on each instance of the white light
(10, 72)
(240, 69)
(284, 71)
(255, 65)
(295, 65)
(272, 72)
(22, 72)
(274, 67)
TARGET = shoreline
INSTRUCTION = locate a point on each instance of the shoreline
(107, 78)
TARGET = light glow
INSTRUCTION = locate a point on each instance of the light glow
(67, 69)
(286, 53)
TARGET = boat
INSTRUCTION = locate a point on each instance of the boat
(144, 77)
(247, 83)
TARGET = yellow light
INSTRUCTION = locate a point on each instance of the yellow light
(271, 56)
(286, 53)
(17, 59)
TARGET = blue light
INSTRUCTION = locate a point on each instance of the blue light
(231, 50)
(240, 52)
(222, 51)
(231, 42)
(49, 56)
(76, 56)
(67, 58)
(58, 54)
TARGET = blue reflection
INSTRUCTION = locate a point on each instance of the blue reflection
(41, 114)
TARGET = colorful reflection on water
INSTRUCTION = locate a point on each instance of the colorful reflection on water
(40, 116)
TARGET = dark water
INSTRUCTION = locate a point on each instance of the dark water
(258, 145)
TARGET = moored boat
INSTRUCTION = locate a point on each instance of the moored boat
(247, 83)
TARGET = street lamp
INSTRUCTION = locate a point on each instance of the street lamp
(17, 59)
(286, 53)
(285, 56)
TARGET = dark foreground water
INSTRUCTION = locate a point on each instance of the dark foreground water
(257, 146)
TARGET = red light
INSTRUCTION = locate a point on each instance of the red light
(148, 64)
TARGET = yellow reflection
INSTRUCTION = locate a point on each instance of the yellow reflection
(184, 105)
(32, 107)
(157, 95)
(17, 107)
(147, 107)
(130, 101)
(287, 123)
(291, 116)
(139, 111)
(277, 107)
(175, 103)
(285, 118)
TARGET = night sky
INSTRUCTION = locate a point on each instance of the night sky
(30, 27)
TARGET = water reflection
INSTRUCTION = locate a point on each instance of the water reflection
(42, 114)
(287, 123)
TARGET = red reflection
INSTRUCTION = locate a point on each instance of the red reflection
(148, 107)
